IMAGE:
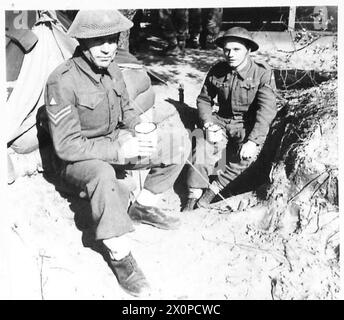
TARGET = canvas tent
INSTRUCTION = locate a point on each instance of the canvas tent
(31, 55)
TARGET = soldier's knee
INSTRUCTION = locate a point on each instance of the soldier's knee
(175, 144)
(183, 143)
(105, 173)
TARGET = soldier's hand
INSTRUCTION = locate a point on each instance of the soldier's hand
(147, 146)
(134, 147)
(130, 148)
(248, 150)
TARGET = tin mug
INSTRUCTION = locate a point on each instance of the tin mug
(214, 133)
(146, 131)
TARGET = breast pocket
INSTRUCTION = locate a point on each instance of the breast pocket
(222, 90)
(93, 110)
(247, 93)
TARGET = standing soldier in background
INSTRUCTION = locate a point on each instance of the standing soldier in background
(245, 92)
(174, 25)
(204, 27)
(211, 26)
(195, 28)
(124, 38)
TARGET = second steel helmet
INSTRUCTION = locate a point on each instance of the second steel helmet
(98, 23)
(238, 33)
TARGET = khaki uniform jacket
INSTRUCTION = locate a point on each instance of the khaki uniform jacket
(84, 108)
(247, 95)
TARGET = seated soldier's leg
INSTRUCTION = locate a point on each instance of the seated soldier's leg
(234, 167)
(168, 161)
(166, 164)
(205, 157)
(109, 198)
(109, 201)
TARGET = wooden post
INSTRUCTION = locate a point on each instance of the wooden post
(291, 20)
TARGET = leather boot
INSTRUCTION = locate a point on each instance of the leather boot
(129, 276)
(181, 45)
(193, 42)
(206, 199)
(172, 50)
(153, 216)
(190, 204)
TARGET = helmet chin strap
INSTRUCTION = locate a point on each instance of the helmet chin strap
(88, 57)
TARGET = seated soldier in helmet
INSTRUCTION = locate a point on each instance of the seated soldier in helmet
(90, 121)
(245, 92)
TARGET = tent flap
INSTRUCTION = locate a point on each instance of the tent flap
(51, 49)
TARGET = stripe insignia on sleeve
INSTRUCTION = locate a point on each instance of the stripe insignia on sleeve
(56, 118)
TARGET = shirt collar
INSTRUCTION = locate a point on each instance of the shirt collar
(86, 66)
(242, 72)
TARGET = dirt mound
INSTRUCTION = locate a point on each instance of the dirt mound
(296, 216)
(307, 156)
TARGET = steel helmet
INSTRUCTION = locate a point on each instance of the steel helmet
(98, 23)
(238, 33)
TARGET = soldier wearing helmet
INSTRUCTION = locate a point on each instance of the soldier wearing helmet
(245, 93)
(90, 120)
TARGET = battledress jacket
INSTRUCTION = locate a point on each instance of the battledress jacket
(84, 108)
(247, 95)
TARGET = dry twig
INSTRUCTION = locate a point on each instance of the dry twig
(42, 284)
(307, 184)
(286, 255)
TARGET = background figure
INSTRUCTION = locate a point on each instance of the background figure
(211, 26)
(204, 27)
(123, 42)
(195, 28)
(137, 36)
(174, 25)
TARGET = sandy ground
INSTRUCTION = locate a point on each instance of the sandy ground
(214, 255)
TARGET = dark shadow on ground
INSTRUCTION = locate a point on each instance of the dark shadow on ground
(188, 115)
(150, 53)
(300, 79)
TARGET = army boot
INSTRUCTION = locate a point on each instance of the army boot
(209, 43)
(152, 216)
(190, 204)
(172, 48)
(193, 42)
(181, 45)
(129, 276)
(206, 198)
